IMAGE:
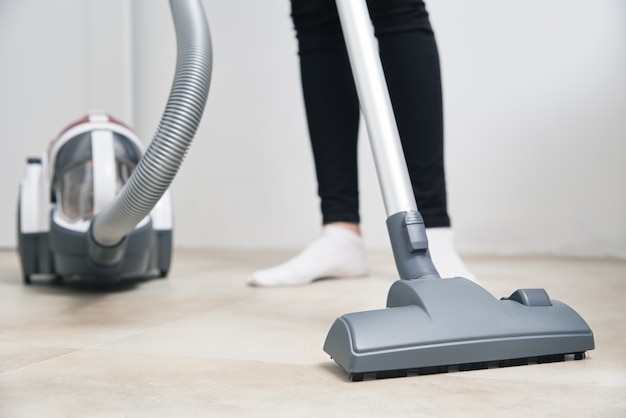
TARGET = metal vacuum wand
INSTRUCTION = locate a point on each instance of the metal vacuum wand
(404, 222)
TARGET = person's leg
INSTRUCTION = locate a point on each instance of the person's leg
(332, 111)
(410, 61)
(331, 105)
(411, 64)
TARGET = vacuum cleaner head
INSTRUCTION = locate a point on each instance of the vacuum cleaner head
(436, 325)
(85, 167)
(433, 324)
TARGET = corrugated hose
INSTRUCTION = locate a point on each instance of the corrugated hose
(185, 106)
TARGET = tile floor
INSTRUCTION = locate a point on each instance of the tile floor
(202, 343)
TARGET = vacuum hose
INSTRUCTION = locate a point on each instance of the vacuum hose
(156, 170)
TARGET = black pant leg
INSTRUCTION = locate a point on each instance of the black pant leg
(331, 106)
(411, 63)
(410, 60)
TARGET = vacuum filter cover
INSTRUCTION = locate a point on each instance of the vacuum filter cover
(90, 161)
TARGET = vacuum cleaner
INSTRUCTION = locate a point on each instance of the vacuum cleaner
(95, 207)
(433, 325)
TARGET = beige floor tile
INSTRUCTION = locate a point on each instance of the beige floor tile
(102, 383)
(201, 343)
(15, 356)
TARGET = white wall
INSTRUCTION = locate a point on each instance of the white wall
(248, 179)
(535, 94)
(535, 102)
(57, 60)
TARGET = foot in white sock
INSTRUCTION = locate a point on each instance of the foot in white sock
(338, 252)
(444, 255)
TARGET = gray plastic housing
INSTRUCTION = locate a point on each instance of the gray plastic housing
(442, 322)
(66, 254)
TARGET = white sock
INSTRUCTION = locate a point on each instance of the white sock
(338, 252)
(444, 255)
